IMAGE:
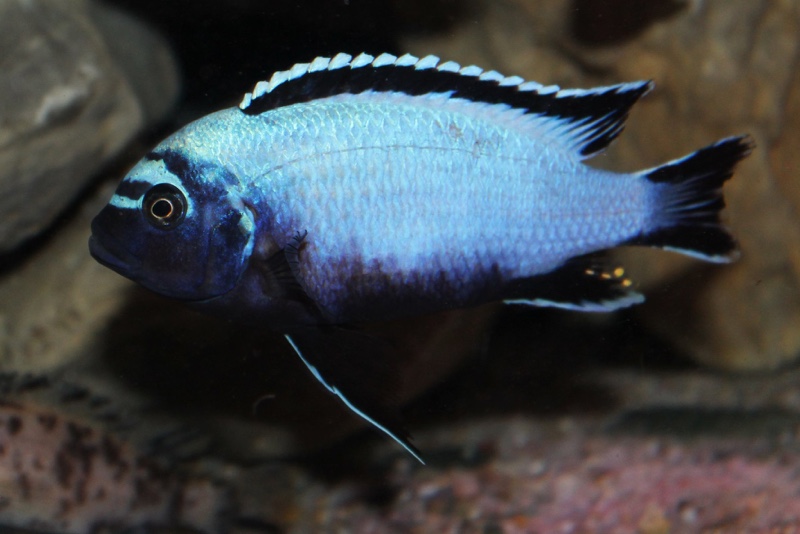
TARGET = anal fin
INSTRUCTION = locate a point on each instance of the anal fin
(586, 283)
(353, 367)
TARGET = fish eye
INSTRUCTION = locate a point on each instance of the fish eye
(164, 206)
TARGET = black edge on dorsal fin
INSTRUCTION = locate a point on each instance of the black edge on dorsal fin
(590, 118)
(586, 283)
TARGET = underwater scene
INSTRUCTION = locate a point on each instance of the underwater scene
(367, 266)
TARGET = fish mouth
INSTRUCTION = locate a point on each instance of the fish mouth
(111, 254)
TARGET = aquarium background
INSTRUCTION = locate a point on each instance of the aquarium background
(681, 415)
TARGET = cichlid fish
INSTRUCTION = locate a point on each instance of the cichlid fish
(356, 189)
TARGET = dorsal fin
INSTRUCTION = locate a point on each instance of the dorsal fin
(587, 120)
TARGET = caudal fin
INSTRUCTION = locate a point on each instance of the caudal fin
(690, 200)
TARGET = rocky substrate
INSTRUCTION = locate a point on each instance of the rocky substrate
(542, 421)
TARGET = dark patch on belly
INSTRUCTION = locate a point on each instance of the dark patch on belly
(377, 291)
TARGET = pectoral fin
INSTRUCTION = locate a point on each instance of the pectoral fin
(352, 367)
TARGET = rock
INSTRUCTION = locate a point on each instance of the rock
(62, 474)
(558, 480)
(56, 302)
(720, 70)
(582, 447)
(730, 78)
(65, 106)
(145, 58)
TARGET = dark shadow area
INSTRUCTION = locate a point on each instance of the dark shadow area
(539, 362)
(695, 422)
(535, 362)
(612, 22)
(188, 360)
(225, 48)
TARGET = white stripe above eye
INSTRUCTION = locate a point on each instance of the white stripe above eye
(125, 203)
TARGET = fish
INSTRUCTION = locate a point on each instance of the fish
(356, 189)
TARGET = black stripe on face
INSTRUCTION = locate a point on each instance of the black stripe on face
(175, 162)
(204, 181)
(132, 189)
(605, 110)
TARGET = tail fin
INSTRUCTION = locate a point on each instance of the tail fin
(690, 199)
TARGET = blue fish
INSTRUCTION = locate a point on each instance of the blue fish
(358, 189)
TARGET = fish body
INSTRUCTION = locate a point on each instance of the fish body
(387, 231)
(355, 189)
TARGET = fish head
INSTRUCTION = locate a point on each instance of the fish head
(177, 227)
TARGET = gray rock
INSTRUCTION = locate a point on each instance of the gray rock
(65, 108)
(55, 305)
(144, 57)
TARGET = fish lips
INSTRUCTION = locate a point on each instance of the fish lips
(110, 253)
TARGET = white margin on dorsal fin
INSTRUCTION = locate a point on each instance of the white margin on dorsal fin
(406, 60)
(361, 60)
(472, 70)
(449, 66)
(573, 116)
(530, 86)
(261, 88)
(297, 70)
(384, 60)
(511, 81)
(428, 62)
(548, 89)
(277, 79)
(491, 76)
(247, 99)
(339, 61)
(319, 63)
(605, 128)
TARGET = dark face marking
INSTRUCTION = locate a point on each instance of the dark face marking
(185, 242)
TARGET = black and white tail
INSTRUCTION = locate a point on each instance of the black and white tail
(690, 198)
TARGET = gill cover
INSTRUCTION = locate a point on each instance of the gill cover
(177, 227)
